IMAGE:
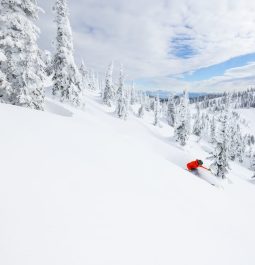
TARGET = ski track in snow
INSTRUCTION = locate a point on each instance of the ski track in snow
(83, 187)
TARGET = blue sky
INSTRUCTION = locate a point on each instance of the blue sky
(218, 69)
(164, 44)
(180, 47)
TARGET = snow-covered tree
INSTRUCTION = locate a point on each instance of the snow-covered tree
(67, 84)
(132, 94)
(197, 122)
(156, 111)
(231, 136)
(5, 88)
(46, 57)
(170, 111)
(141, 111)
(142, 107)
(187, 110)
(101, 87)
(92, 81)
(240, 146)
(127, 97)
(252, 164)
(248, 154)
(108, 95)
(205, 127)
(181, 128)
(23, 67)
(84, 74)
(220, 161)
(212, 130)
(147, 102)
(122, 101)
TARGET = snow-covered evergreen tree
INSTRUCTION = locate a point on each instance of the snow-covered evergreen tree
(108, 95)
(238, 144)
(205, 127)
(212, 130)
(92, 81)
(23, 67)
(84, 74)
(219, 156)
(127, 97)
(141, 111)
(156, 111)
(142, 107)
(187, 110)
(147, 102)
(248, 154)
(252, 164)
(67, 84)
(132, 94)
(5, 88)
(197, 122)
(231, 134)
(180, 128)
(170, 111)
(46, 57)
(101, 87)
(122, 101)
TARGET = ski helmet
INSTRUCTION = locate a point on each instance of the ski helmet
(200, 162)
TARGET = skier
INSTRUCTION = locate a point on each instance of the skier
(194, 165)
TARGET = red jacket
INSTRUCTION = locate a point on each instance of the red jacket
(194, 165)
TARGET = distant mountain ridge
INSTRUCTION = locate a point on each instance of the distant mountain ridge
(163, 94)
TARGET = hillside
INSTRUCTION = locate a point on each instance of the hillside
(86, 188)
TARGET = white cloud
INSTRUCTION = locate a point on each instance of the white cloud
(238, 78)
(138, 33)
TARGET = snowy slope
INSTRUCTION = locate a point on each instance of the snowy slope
(86, 188)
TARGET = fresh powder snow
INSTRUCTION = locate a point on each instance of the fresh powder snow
(84, 187)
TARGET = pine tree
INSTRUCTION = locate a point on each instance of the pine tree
(252, 139)
(23, 67)
(239, 144)
(248, 154)
(132, 94)
(212, 130)
(252, 164)
(127, 97)
(121, 108)
(156, 111)
(142, 107)
(219, 156)
(181, 130)
(141, 111)
(84, 74)
(101, 88)
(187, 110)
(46, 57)
(170, 111)
(67, 84)
(197, 122)
(231, 133)
(206, 128)
(108, 95)
(147, 102)
(5, 88)
(92, 81)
